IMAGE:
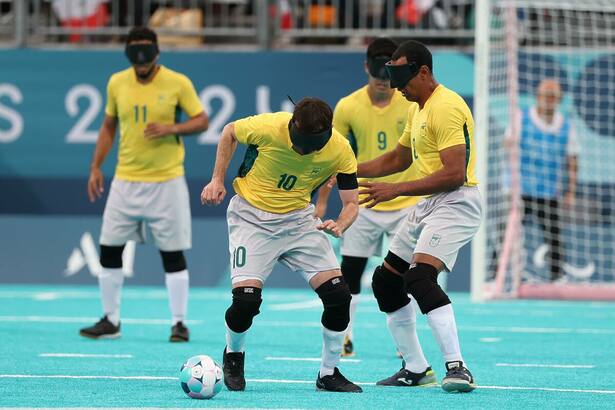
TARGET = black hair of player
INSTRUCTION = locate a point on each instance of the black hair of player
(312, 116)
(381, 47)
(415, 52)
(140, 33)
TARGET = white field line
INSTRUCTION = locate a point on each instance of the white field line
(307, 359)
(306, 304)
(496, 329)
(283, 381)
(490, 339)
(76, 319)
(554, 366)
(87, 356)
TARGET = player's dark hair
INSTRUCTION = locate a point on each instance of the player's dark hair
(414, 52)
(381, 47)
(312, 116)
(141, 33)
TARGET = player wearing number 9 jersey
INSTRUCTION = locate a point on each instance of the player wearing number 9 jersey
(149, 187)
(373, 119)
(271, 219)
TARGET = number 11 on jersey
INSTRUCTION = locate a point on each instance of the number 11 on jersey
(143, 109)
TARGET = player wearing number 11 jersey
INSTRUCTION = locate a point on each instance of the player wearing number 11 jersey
(271, 219)
(149, 187)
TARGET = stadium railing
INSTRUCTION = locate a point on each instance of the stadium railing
(257, 23)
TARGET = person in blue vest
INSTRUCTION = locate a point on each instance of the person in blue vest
(548, 167)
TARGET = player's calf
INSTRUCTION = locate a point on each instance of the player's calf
(239, 317)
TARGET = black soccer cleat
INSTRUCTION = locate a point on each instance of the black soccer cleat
(103, 329)
(348, 348)
(233, 370)
(405, 378)
(336, 382)
(179, 333)
(458, 378)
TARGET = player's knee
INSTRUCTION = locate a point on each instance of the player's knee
(111, 256)
(173, 261)
(335, 296)
(352, 269)
(421, 280)
(246, 302)
(388, 290)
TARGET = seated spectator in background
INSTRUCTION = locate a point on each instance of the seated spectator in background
(83, 13)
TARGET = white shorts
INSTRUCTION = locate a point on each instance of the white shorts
(164, 207)
(258, 239)
(439, 226)
(365, 236)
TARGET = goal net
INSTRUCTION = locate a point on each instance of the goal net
(545, 118)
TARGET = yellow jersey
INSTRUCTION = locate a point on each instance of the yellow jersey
(372, 131)
(273, 176)
(444, 121)
(136, 105)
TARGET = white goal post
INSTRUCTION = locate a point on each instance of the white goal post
(544, 107)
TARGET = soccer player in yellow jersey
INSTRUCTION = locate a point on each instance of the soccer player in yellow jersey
(271, 219)
(149, 187)
(372, 118)
(438, 142)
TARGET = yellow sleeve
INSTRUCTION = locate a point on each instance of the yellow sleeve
(406, 136)
(249, 130)
(341, 118)
(448, 123)
(188, 99)
(348, 162)
(111, 107)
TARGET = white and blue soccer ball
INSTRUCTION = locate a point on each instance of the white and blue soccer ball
(201, 377)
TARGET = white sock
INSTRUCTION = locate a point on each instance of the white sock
(402, 325)
(354, 302)
(444, 328)
(332, 342)
(110, 282)
(235, 342)
(177, 286)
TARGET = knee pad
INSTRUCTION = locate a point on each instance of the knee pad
(173, 261)
(421, 280)
(111, 256)
(335, 296)
(352, 270)
(388, 290)
(396, 262)
(246, 302)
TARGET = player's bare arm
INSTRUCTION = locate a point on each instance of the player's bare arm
(390, 163)
(449, 178)
(198, 123)
(106, 135)
(570, 195)
(323, 198)
(349, 194)
(214, 192)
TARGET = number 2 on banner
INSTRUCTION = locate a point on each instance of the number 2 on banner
(80, 132)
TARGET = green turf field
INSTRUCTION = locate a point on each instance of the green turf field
(524, 354)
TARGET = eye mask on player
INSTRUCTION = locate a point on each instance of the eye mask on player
(308, 142)
(141, 53)
(401, 74)
(375, 67)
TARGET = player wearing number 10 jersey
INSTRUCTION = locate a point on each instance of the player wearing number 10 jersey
(149, 186)
(271, 219)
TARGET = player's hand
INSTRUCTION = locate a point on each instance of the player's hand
(377, 192)
(330, 227)
(213, 193)
(155, 130)
(331, 182)
(96, 184)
